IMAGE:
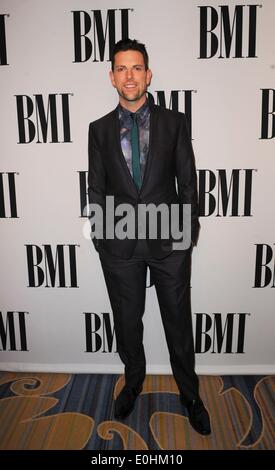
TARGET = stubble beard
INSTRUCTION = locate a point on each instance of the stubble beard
(136, 97)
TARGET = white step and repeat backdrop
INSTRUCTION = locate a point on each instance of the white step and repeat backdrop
(213, 60)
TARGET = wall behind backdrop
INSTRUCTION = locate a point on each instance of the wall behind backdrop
(213, 60)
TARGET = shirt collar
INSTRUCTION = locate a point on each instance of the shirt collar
(141, 112)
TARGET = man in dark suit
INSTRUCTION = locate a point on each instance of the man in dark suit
(137, 153)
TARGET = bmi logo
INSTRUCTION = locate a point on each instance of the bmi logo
(13, 336)
(225, 193)
(43, 119)
(174, 102)
(217, 333)
(99, 331)
(50, 266)
(96, 33)
(8, 205)
(228, 31)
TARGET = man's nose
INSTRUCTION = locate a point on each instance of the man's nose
(129, 73)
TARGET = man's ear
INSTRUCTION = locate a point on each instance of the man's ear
(149, 76)
(112, 78)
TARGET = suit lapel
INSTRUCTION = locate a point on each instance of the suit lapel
(152, 136)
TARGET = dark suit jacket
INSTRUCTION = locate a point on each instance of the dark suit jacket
(170, 158)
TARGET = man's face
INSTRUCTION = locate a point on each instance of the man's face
(130, 78)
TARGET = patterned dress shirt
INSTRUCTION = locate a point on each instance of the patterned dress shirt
(143, 121)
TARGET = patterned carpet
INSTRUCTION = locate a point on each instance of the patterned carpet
(64, 411)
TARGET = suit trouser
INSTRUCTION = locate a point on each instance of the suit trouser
(126, 286)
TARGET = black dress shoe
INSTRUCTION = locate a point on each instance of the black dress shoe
(198, 416)
(125, 401)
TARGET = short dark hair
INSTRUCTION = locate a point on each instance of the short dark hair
(130, 45)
